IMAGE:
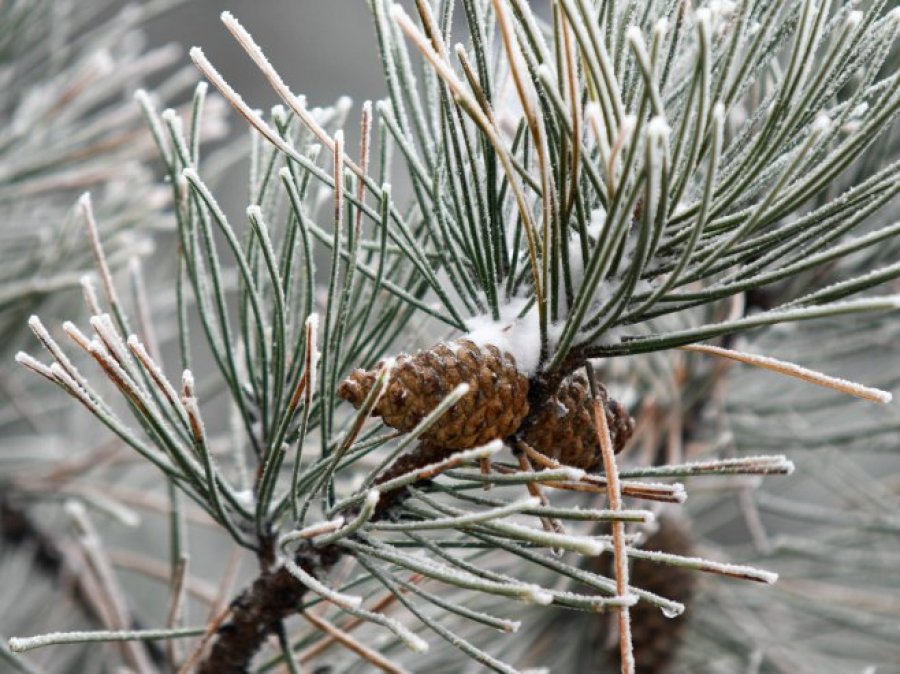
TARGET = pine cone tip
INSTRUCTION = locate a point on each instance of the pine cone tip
(356, 387)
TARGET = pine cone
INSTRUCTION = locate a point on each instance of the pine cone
(564, 427)
(494, 407)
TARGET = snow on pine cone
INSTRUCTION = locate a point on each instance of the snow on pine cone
(494, 407)
(564, 429)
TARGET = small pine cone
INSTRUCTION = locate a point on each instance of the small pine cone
(564, 427)
(494, 407)
(654, 637)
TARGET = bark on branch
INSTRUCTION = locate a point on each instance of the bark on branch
(258, 610)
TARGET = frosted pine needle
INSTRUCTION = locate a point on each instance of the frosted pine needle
(797, 371)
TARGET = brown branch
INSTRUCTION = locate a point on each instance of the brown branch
(258, 610)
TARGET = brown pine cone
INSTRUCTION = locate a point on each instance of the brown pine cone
(494, 407)
(564, 429)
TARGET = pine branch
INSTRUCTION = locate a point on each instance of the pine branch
(257, 612)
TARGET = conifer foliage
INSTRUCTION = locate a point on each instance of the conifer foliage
(446, 419)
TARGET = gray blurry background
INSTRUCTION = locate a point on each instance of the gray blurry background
(323, 48)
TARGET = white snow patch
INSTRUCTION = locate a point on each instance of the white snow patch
(596, 223)
(635, 35)
(576, 261)
(658, 127)
(821, 124)
(644, 287)
(626, 128)
(703, 15)
(245, 497)
(187, 384)
(661, 27)
(721, 12)
(610, 337)
(519, 337)
(534, 594)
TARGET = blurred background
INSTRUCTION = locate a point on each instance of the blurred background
(324, 50)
